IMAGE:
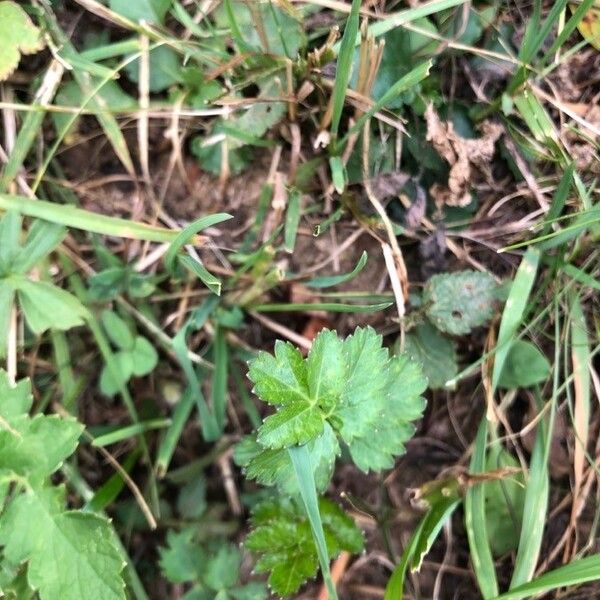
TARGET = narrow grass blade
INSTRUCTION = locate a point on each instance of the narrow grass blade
(245, 398)
(339, 177)
(344, 67)
(122, 433)
(78, 218)
(292, 219)
(204, 275)
(406, 82)
(304, 474)
(419, 545)
(32, 124)
(220, 376)
(328, 306)
(331, 280)
(581, 276)
(481, 555)
(577, 572)
(559, 199)
(514, 310)
(581, 359)
(109, 491)
(534, 511)
(185, 236)
(167, 446)
(69, 383)
(402, 17)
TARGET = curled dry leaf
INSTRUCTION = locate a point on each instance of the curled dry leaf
(461, 154)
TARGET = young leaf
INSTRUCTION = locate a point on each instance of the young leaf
(368, 398)
(144, 357)
(282, 538)
(457, 302)
(18, 36)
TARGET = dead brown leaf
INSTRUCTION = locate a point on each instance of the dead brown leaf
(461, 154)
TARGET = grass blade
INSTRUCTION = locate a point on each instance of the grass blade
(329, 281)
(344, 67)
(575, 573)
(514, 310)
(77, 218)
(292, 219)
(122, 433)
(220, 375)
(328, 306)
(304, 474)
(420, 543)
(481, 555)
(534, 511)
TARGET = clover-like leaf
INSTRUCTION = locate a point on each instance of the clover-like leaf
(18, 35)
(352, 386)
(458, 302)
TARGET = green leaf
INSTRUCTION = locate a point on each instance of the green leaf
(282, 538)
(434, 352)
(283, 29)
(68, 551)
(43, 237)
(458, 302)
(368, 398)
(18, 35)
(47, 306)
(144, 357)
(182, 560)
(111, 382)
(273, 467)
(10, 233)
(504, 501)
(223, 569)
(7, 296)
(165, 67)
(525, 366)
(152, 11)
(117, 330)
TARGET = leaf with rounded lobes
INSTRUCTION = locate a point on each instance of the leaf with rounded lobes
(144, 357)
(436, 354)
(458, 302)
(117, 330)
(15, 400)
(110, 382)
(525, 366)
(46, 306)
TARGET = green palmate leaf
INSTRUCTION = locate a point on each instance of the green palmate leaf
(42, 238)
(67, 551)
(282, 538)
(525, 366)
(18, 35)
(435, 353)
(457, 302)
(181, 560)
(366, 397)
